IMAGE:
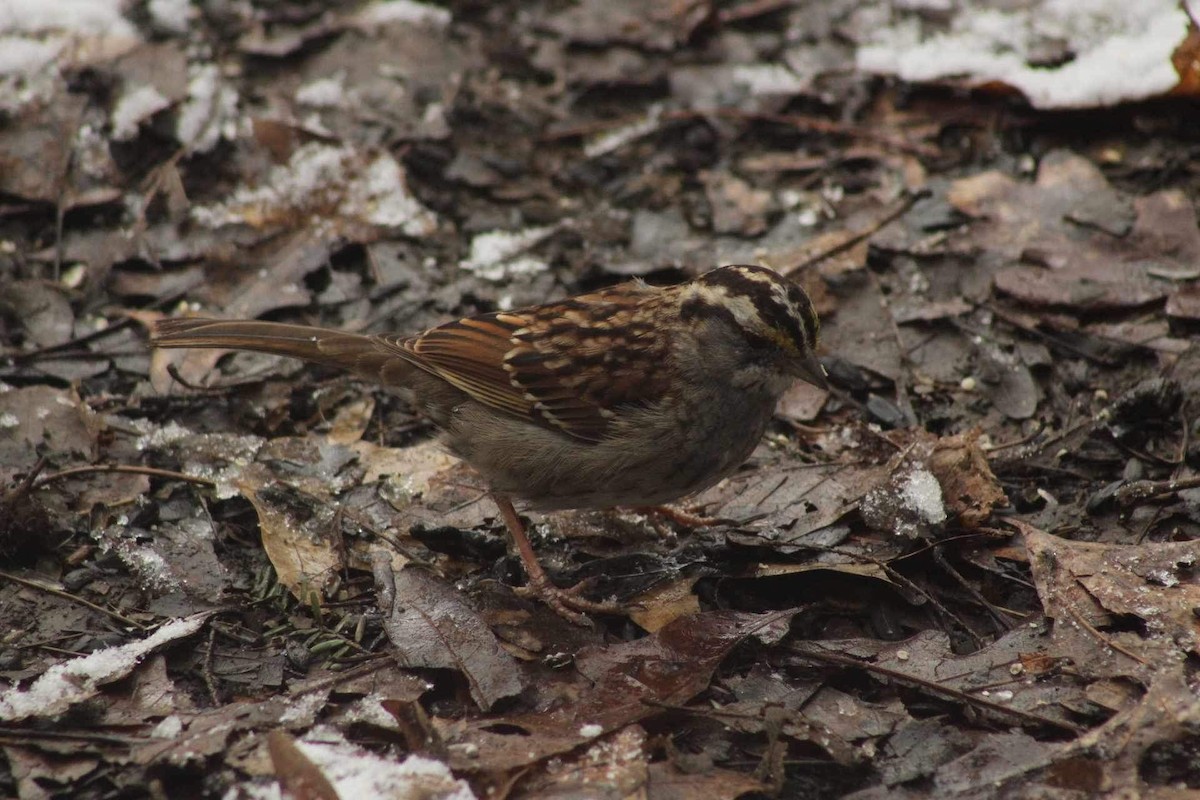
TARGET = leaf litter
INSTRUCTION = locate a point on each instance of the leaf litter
(967, 571)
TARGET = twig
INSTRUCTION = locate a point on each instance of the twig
(24, 356)
(26, 484)
(206, 670)
(902, 208)
(939, 556)
(1133, 492)
(129, 469)
(934, 688)
(1107, 641)
(73, 598)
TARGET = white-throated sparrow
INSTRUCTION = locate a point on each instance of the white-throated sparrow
(634, 395)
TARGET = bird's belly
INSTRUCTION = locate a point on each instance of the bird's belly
(650, 460)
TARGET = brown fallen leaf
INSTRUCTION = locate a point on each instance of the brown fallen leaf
(616, 765)
(625, 683)
(933, 480)
(208, 732)
(298, 533)
(664, 604)
(42, 419)
(1077, 290)
(431, 625)
(1096, 248)
(626, 22)
(299, 778)
(737, 207)
(668, 782)
(1090, 588)
(969, 487)
(1184, 302)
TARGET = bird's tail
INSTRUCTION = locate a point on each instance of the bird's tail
(370, 356)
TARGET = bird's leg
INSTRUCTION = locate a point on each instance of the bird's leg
(565, 602)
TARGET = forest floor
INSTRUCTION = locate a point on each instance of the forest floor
(969, 569)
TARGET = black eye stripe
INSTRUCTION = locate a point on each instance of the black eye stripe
(758, 285)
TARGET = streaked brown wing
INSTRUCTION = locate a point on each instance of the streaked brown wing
(569, 366)
(469, 353)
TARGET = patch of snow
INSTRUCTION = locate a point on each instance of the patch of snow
(210, 111)
(384, 13)
(497, 255)
(161, 437)
(150, 566)
(354, 772)
(169, 728)
(303, 710)
(1122, 50)
(70, 682)
(320, 176)
(922, 493)
(1163, 577)
(370, 710)
(324, 92)
(171, 16)
(134, 107)
(81, 17)
(925, 5)
(768, 79)
(615, 139)
(20, 55)
(385, 198)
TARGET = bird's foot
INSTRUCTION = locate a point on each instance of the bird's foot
(568, 603)
(681, 517)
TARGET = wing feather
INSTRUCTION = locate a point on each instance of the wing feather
(568, 366)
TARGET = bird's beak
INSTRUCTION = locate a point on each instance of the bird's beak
(808, 369)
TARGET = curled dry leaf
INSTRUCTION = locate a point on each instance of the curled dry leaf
(935, 480)
(969, 487)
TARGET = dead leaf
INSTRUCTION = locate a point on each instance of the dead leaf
(616, 765)
(737, 208)
(626, 22)
(1099, 250)
(431, 625)
(667, 782)
(1184, 302)
(298, 533)
(969, 488)
(299, 778)
(627, 682)
(1077, 291)
(351, 421)
(1088, 588)
(36, 149)
(41, 418)
(664, 604)
(46, 316)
